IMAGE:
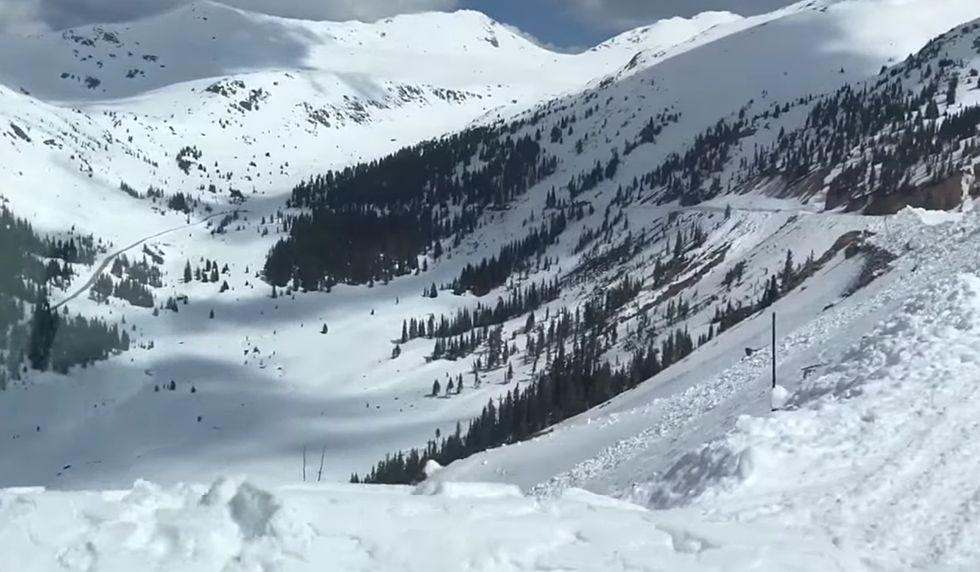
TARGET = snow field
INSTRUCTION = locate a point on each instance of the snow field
(237, 526)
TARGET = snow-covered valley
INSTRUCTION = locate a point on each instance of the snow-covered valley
(553, 273)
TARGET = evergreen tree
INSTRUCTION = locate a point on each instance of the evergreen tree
(788, 275)
(44, 327)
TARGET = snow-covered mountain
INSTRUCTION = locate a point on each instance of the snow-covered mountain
(291, 249)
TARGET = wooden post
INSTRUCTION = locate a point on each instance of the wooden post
(304, 463)
(774, 350)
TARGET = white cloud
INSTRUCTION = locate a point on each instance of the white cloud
(20, 16)
(621, 15)
(546, 45)
(28, 15)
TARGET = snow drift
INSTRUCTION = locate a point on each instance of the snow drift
(235, 526)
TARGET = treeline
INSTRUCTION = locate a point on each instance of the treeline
(373, 221)
(513, 257)
(576, 378)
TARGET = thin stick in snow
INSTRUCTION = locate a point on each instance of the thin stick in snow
(319, 474)
(304, 463)
(774, 350)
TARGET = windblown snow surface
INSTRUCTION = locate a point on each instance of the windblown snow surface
(236, 526)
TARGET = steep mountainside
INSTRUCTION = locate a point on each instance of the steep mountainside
(591, 227)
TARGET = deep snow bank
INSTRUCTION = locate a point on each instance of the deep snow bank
(881, 451)
(236, 526)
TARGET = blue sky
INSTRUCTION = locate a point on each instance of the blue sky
(544, 20)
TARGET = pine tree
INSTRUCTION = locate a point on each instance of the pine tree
(44, 327)
(188, 274)
(789, 273)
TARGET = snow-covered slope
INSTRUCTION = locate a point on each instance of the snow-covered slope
(686, 176)
(461, 50)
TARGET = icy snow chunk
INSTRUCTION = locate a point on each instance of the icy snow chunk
(599, 501)
(221, 492)
(451, 489)
(932, 218)
(431, 468)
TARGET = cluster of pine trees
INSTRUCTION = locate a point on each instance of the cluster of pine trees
(519, 302)
(58, 342)
(133, 281)
(372, 222)
(125, 288)
(462, 345)
(32, 334)
(512, 258)
(209, 273)
(141, 271)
